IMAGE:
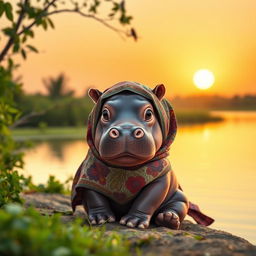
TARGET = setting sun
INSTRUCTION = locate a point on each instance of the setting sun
(203, 79)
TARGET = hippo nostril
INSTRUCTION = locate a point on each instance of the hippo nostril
(138, 133)
(114, 133)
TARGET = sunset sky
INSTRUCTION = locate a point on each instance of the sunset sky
(177, 38)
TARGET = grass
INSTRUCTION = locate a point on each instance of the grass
(184, 117)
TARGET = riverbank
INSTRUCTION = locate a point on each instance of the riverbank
(190, 240)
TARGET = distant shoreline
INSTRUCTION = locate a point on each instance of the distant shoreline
(55, 133)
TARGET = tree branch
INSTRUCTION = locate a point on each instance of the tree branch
(40, 16)
(26, 119)
(44, 13)
(11, 39)
(102, 21)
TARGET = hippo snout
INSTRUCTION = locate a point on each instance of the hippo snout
(134, 132)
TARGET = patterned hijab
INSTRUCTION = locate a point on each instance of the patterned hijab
(123, 184)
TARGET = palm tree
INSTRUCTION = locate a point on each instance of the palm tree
(57, 87)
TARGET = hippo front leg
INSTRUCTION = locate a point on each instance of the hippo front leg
(149, 199)
(98, 208)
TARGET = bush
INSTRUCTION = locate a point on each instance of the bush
(26, 233)
(11, 156)
(52, 186)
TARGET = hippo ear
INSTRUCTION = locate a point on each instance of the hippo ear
(94, 94)
(159, 91)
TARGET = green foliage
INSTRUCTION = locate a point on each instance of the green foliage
(10, 187)
(31, 14)
(6, 7)
(11, 182)
(52, 186)
(26, 233)
(55, 111)
(196, 117)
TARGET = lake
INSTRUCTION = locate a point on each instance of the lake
(215, 163)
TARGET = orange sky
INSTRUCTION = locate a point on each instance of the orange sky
(176, 39)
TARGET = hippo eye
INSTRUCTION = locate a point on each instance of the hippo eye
(148, 114)
(105, 115)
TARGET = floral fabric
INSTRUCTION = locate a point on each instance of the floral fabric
(119, 184)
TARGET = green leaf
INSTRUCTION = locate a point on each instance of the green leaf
(44, 24)
(16, 47)
(24, 39)
(125, 19)
(32, 48)
(1, 8)
(8, 11)
(116, 7)
(9, 31)
(24, 54)
(29, 32)
(50, 23)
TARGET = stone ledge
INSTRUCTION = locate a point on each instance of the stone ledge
(190, 240)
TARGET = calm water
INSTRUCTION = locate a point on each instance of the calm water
(215, 164)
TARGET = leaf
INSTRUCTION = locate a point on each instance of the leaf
(134, 34)
(24, 39)
(116, 7)
(50, 23)
(125, 19)
(9, 31)
(10, 62)
(16, 47)
(1, 8)
(44, 24)
(29, 32)
(122, 6)
(23, 53)
(8, 11)
(32, 48)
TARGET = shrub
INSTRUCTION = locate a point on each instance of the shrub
(26, 232)
(11, 157)
(52, 186)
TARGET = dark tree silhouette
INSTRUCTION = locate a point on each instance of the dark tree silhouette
(57, 87)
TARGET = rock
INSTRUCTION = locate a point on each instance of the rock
(190, 240)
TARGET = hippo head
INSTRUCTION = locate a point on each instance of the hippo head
(127, 130)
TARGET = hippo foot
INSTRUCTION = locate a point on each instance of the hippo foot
(138, 219)
(100, 215)
(168, 219)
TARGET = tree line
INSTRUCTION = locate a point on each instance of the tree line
(58, 107)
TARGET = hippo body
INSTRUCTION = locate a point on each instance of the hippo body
(129, 133)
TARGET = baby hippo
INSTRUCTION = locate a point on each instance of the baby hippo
(126, 175)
